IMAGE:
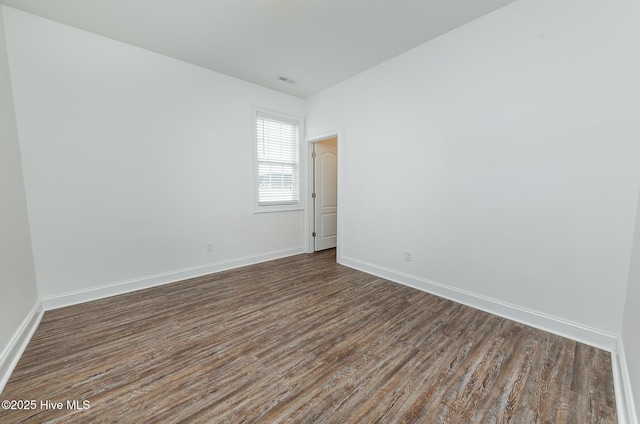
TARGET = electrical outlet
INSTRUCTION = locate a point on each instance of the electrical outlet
(408, 256)
(209, 247)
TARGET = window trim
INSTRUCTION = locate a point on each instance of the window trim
(284, 207)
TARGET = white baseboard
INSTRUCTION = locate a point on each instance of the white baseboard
(10, 356)
(612, 343)
(13, 351)
(100, 292)
(627, 413)
(561, 327)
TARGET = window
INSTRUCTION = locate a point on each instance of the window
(278, 162)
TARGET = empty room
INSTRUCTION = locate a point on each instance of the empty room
(279, 211)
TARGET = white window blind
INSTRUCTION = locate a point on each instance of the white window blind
(278, 161)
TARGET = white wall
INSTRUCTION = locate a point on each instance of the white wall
(134, 161)
(18, 292)
(630, 336)
(505, 155)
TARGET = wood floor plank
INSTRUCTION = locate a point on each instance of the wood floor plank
(302, 339)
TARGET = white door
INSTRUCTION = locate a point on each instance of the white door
(326, 194)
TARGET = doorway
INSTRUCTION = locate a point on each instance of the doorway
(325, 193)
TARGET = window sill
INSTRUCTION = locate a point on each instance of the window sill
(278, 208)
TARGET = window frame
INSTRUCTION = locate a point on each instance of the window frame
(298, 205)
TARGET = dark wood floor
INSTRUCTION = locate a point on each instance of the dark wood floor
(302, 340)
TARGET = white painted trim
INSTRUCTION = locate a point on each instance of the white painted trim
(627, 413)
(13, 351)
(308, 209)
(299, 120)
(551, 324)
(625, 405)
(624, 397)
(95, 293)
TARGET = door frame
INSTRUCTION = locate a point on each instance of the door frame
(308, 215)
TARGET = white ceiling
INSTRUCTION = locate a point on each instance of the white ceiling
(317, 43)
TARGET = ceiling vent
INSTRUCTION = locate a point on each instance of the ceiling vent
(285, 79)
